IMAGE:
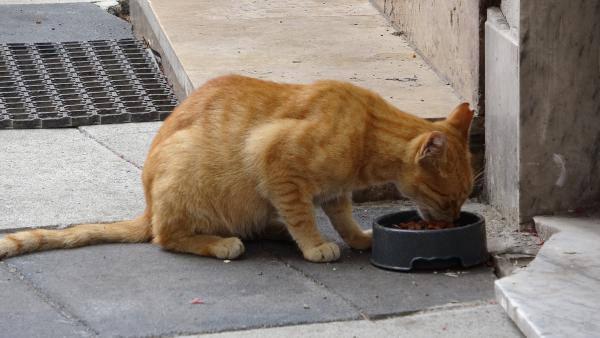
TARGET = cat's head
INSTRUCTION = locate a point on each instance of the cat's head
(441, 178)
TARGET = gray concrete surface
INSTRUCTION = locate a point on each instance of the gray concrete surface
(130, 141)
(557, 294)
(282, 41)
(377, 292)
(25, 313)
(380, 293)
(61, 177)
(59, 22)
(476, 320)
(140, 290)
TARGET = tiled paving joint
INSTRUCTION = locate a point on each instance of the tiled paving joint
(69, 84)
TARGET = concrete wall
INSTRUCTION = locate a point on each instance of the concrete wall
(447, 34)
(559, 105)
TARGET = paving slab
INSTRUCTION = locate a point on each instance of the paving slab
(377, 292)
(343, 40)
(61, 177)
(482, 320)
(21, 306)
(59, 22)
(126, 290)
(380, 293)
(556, 295)
(130, 141)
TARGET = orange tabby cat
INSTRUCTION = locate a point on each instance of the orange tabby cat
(245, 158)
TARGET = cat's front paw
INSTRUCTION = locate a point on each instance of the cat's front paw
(326, 252)
(362, 241)
(228, 248)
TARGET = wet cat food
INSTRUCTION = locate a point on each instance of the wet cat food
(424, 225)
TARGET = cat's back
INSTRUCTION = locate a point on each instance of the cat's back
(229, 102)
(231, 98)
(227, 107)
(244, 98)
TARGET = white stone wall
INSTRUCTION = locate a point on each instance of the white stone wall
(502, 115)
(543, 107)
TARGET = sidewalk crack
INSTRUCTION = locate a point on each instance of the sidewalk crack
(104, 145)
(361, 313)
(37, 291)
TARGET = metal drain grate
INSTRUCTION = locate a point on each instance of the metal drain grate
(69, 84)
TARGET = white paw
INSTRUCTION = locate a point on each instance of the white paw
(228, 248)
(326, 252)
(362, 241)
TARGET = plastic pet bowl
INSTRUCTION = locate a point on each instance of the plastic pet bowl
(404, 250)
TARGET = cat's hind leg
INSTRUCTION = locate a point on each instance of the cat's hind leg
(204, 245)
(275, 230)
(174, 236)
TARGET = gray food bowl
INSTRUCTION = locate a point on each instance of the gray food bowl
(404, 250)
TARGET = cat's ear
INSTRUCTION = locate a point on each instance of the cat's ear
(461, 118)
(433, 147)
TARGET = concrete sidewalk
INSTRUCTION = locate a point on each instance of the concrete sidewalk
(453, 321)
(290, 42)
(59, 177)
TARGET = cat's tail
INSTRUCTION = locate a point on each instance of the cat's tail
(132, 231)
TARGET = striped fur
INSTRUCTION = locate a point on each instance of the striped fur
(133, 231)
(244, 158)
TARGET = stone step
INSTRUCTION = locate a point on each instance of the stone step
(557, 294)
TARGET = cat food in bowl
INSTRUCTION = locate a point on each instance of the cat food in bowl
(403, 242)
(424, 225)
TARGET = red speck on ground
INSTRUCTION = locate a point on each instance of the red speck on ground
(197, 301)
